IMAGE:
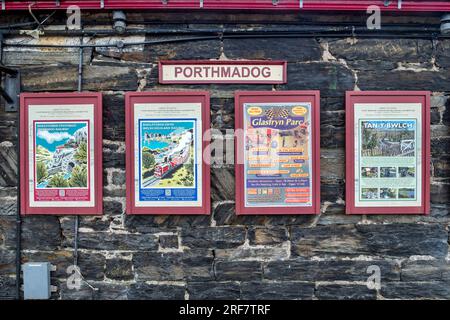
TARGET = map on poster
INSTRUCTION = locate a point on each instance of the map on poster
(168, 155)
(388, 154)
(277, 154)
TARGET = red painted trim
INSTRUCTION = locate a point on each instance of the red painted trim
(353, 97)
(60, 99)
(292, 5)
(169, 97)
(242, 97)
(222, 62)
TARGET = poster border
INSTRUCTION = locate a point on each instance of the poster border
(131, 98)
(282, 63)
(312, 96)
(61, 98)
(352, 97)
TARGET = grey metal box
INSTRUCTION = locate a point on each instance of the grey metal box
(36, 280)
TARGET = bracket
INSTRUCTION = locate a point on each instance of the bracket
(11, 89)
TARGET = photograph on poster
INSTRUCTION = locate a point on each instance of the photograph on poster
(279, 168)
(61, 158)
(166, 173)
(386, 164)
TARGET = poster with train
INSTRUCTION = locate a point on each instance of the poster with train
(167, 159)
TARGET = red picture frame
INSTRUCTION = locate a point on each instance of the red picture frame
(36, 100)
(222, 62)
(131, 98)
(312, 97)
(352, 97)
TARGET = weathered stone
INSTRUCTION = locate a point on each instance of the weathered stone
(7, 231)
(332, 137)
(194, 266)
(208, 49)
(329, 270)
(416, 290)
(441, 166)
(7, 287)
(391, 50)
(440, 146)
(440, 193)
(145, 224)
(332, 163)
(224, 214)
(223, 188)
(222, 113)
(101, 240)
(95, 223)
(168, 241)
(267, 236)
(443, 53)
(238, 270)
(404, 80)
(41, 233)
(119, 269)
(8, 207)
(223, 237)
(277, 291)
(143, 291)
(127, 53)
(118, 178)
(330, 77)
(91, 264)
(426, 270)
(213, 290)
(112, 207)
(95, 78)
(279, 251)
(21, 56)
(290, 49)
(114, 112)
(113, 156)
(345, 292)
(101, 291)
(402, 240)
(7, 261)
(8, 165)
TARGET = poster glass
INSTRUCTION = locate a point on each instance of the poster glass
(389, 154)
(60, 155)
(167, 157)
(280, 158)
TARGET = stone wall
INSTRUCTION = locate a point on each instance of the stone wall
(223, 255)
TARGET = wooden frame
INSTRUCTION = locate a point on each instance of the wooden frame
(132, 98)
(219, 63)
(312, 97)
(368, 97)
(40, 100)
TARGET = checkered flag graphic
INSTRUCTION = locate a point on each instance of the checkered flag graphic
(281, 113)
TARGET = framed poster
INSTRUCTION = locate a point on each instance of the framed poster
(388, 152)
(277, 152)
(61, 153)
(166, 172)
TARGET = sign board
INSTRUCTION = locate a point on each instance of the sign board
(277, 152)
(166, 173)
(388, 152)
(61, 153)
(222, 71)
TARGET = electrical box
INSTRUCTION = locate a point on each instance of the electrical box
(36, 280)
